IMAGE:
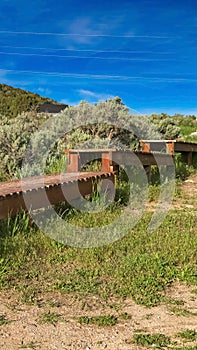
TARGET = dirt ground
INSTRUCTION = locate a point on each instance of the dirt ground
(27, 330)
(189, 194)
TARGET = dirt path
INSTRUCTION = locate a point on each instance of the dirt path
(190, 186)
(185, 200)
(28, 330)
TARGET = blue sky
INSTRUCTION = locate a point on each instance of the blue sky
(143, 51)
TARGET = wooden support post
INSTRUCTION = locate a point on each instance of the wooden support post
(107, 165)
(73, 163)
(189, 158)
(147, 169)
(170, 147)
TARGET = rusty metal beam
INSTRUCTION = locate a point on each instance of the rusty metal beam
(181, 146)
(175, 145)
(171, 147)
(111, 158)
(133, 158)
(12, 202)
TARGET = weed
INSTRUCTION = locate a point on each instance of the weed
(156, 340)
(115, 306)
(139, 330)
(182, 312)
(181, 168)
(53, 303)
(31, 345)
(174, 301)
(186, 348)
(4, 320)
(188, 334)
(28, 295)
(124, 316)
(153, 192)
(148, 316)
(12, 226)
(108, 320)
(51, 317)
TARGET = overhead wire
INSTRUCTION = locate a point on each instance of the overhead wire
(86, 50)
(88, 57)
(86, 34)
(100, 76)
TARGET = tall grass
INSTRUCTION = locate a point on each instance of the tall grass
(140, 265)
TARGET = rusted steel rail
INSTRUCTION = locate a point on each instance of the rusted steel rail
(42, 191)
(30, 193)
(112, 158)
(187, 149)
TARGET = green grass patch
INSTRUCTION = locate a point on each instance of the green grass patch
(4, 320)
(173, 301)
(124, 316)
(186, 348)
(151, 340)
(51, 317)
(182, 312)
(32, 345)
(189, 334)
(103, 321)
(140, 265)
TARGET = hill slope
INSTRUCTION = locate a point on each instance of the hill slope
(14, 101)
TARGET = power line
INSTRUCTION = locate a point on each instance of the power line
(99, 76)
(85, 50)
(85, 35)
(88, 57)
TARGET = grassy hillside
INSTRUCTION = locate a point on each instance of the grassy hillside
(14, 101)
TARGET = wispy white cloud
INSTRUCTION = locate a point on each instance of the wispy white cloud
(88, 94)
(70, 102)
(44, 91)
(86, 28)
(3, 73)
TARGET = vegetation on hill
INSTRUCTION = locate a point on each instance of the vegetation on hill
(111, 124)
(139, 265)
(105, 124)
(176, 126)
(14, 101)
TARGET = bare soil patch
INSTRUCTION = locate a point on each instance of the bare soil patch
(27, 330)
(187, 200)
